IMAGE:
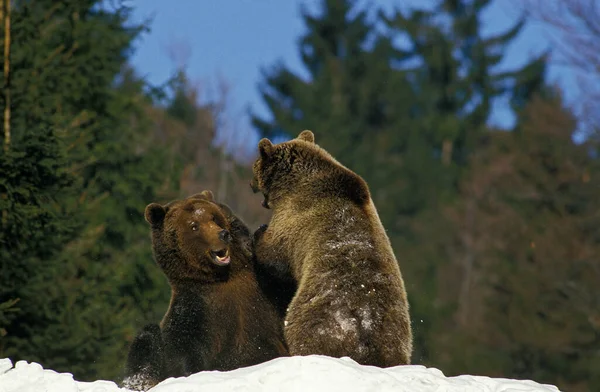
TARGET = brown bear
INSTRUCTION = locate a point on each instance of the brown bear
(218, 317)
(326, 235)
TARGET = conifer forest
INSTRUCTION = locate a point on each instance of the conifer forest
(497, 231)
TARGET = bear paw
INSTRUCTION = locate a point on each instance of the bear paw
(144, 367)
(259, 232)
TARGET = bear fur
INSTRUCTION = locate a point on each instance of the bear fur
(218, 317)
(326, 235)
(277, 284)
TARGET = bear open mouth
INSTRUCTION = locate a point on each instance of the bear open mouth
(220, 257)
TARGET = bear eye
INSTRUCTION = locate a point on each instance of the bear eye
(194, 226)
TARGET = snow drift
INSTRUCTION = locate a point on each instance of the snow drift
(310, 373)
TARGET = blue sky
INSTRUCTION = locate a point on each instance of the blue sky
(234, 39)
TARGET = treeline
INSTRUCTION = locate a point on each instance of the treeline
(497, 232)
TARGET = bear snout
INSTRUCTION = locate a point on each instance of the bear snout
(225, 236)
(254, 185)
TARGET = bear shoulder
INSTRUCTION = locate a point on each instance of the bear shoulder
(333, 178)
(348, 185)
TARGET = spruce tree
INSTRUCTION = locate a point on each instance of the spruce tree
(342, 101)
(36, 224)
(453, 67)
(81, 168)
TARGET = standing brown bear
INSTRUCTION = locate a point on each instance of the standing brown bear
(326, 235)
(218, 318)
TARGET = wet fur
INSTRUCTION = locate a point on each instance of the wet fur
(325, 235)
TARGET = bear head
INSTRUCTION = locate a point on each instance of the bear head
(191, 238)
(279, 166)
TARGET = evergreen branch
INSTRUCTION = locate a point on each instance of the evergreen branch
(51, 56)
(7, 306)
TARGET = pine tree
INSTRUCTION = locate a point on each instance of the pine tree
(78, 250)
(343, 98)
(453, 69)
(35, 175)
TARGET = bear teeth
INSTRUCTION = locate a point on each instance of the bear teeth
(222, 256)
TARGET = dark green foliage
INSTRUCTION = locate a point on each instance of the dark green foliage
(452, 71)
(532, 285)
(182, 106)
(34, 226)
(81, 168)
(452, 68)
(344, 97)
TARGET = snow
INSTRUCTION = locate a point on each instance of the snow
(309, 373)
(347, 235)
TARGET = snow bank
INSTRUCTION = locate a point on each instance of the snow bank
(310, 373)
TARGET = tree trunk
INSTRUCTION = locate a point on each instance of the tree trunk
(446, 152)
(6, 17)
(468, 262)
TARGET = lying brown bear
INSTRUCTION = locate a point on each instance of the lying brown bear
(218, 318)
(326, 235)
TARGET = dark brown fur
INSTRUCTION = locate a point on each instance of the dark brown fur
(325, 234)
(218, 318)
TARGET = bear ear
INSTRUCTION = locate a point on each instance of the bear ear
(204, 195)
(307, 136)
(208, 195)
(265, 148)
(226, 210)
(155, 214)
